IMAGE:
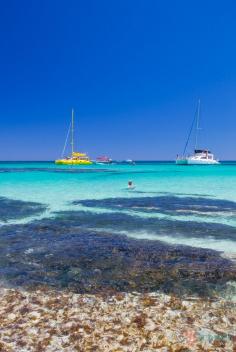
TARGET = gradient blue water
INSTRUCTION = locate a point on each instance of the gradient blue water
(59, 186)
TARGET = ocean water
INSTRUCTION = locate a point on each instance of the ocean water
(193, 206)
(81, 228)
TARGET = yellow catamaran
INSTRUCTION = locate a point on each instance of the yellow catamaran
(75, 158)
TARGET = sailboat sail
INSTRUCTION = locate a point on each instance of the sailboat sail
(195, 122)
(66, 141)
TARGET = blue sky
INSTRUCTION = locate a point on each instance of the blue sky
(133, 71)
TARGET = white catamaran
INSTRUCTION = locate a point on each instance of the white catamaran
(200, 156)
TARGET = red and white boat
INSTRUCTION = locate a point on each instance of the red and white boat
(103, 160)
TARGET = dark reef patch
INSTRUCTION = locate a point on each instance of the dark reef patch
(118, 221)
(18, 209)
(170, 205)
(64, 253)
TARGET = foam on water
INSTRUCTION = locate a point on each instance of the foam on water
(219, 245)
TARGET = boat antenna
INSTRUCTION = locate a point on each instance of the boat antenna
(72, 131)
(197, 126)
(191, 129)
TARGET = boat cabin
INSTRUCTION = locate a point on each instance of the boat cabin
(203, 154)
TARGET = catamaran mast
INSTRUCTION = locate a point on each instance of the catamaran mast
(197, 127)
(72, 131)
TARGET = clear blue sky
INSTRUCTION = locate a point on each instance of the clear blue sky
(132, 69)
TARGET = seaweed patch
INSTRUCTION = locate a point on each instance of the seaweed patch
(170, 205)
(119, 222)
(64, 253)
(18, 209)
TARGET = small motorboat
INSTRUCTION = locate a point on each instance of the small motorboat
(103, 160)
(129, 161)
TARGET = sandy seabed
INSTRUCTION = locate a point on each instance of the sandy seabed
(49, 320)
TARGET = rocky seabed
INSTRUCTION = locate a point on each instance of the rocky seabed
(49, 320)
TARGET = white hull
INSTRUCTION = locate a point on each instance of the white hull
(192, 161)
(202, 162)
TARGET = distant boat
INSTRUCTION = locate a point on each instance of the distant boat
(103, 160)
(76, 158)
(200, 156)
(129, 161)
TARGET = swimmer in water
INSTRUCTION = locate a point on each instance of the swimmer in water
(131, 185)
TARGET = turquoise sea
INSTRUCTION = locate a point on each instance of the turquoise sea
(46, 206)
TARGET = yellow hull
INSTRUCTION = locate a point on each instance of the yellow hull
(73, 162)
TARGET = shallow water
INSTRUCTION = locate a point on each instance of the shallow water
(81, 228)
(196, 197)
(64, 253)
